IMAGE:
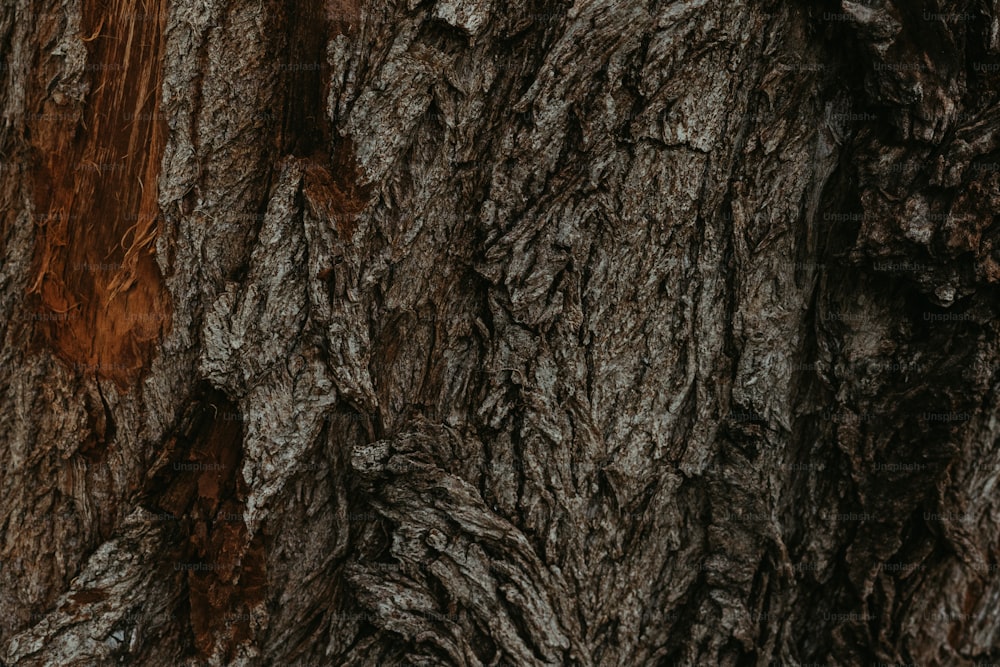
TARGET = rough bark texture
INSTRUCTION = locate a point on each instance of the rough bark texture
(462, 332)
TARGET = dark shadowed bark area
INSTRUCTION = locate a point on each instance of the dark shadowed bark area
(480, 333)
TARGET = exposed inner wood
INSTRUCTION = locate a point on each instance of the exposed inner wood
(202, 485)
(333, 185)
(97, 289)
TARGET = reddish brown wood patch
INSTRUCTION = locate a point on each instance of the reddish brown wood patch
(97, 293)
(344, 15)
(333, 188)
(224, 595)
(223, 569)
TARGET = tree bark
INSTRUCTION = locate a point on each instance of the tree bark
(471, 333)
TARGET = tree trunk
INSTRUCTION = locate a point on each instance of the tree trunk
(477, 333)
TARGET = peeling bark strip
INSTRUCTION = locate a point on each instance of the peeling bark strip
(98, 290)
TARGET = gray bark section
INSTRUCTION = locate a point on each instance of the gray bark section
(634, 356)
